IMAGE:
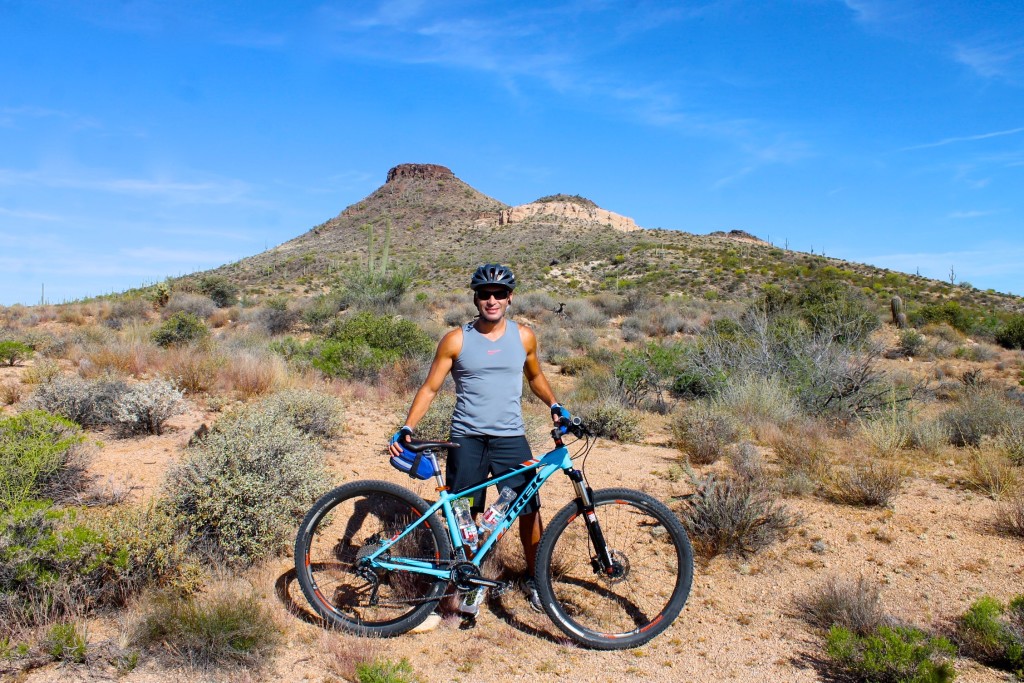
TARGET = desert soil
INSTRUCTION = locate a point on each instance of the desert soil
(934, 552)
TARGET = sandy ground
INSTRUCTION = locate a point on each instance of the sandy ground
(934, 552)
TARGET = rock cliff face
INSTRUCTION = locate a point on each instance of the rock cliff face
(567, 210)
(420, 171)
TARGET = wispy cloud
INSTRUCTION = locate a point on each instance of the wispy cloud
(28, 215)
(213, 191)
(965, 138)
(960, 215)
(997, 58)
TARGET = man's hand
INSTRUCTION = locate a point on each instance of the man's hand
(403, 434)
(559, 413)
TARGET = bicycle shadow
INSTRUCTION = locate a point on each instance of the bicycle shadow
(282, 589)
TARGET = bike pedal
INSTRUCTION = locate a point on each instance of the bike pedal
(500, 589)
(468, 622)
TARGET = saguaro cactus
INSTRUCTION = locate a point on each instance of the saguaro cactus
(899, 318)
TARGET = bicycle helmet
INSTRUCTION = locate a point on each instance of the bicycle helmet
(493, 274)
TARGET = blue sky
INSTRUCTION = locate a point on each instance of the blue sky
(143, 139)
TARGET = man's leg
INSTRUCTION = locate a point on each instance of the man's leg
(530, 529)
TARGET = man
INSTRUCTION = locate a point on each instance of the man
(487, 359)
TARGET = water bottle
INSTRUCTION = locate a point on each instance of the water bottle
(467, 527)
(496, 512)
(471, 601)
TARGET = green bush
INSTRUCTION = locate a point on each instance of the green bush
(40, 455)
(835, 308)
(701, 433)
(65, 643)
(59, 562)
(385, 671)
(994, 634)
(223, 292)
(362, 344)
(275, 317)
(374, 291)
(899, 654)
(648, 374)
(1011, 335)
(224, 628)
(13, 352)
(180, 328)
(241, 489)
(949, 312)
(911, 343)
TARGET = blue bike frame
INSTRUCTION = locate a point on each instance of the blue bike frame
(548, 464)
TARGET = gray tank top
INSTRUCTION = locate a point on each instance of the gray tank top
(489, 384)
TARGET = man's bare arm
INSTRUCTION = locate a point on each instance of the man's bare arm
(447, 350)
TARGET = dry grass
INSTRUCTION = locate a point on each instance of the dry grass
(1010, 516)
(41, 372)
(192, 369)
(888, 434)
(866, 484)
(250, 375)
(120, 358)
(852, 604)
(11, 393)
(803, 456)
(991, 473)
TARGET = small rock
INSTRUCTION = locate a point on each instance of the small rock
(951, 536)
(819, 547)
(744, 569)
(923, 537)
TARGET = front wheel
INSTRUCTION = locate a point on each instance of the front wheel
(650, 581)
(350, 523)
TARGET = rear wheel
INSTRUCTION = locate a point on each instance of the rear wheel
(648, 584)
(346, 525)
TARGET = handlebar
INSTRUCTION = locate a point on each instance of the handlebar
(572, 426)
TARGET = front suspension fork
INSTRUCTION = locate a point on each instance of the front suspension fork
(602, 561)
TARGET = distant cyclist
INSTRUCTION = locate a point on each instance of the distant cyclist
(487, 358)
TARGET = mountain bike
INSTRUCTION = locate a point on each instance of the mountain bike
(613, 570)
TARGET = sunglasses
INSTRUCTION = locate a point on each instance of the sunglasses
(498, 294)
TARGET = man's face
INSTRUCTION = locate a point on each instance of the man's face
(492, 301)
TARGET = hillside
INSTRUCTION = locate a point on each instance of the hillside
(442, 228)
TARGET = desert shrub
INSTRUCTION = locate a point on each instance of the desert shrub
(887, 433)
(65, 643)
(632, 329)
(911, 343)
(361, 345)
(241, 489)
(897, 654)
(200, 306)
(14, 352)
(982, 411)
(866, 484)
(313, 413)
(436, 424)
(1011, 334)
(581, 312)
(226, 627)
(826, 374)
(726, 515)
(663, 321)
(125, 309)
(54, 564)
(803, 456)
(993, 633)
(576, 365)
(221, 291)
(41, 371)
(192, 370)
(648, 374)
(1011, 441)
(949, 312)
(835, 308)
(702, 433)
(977, 353)
(853, 605)
(747, 462)
(385, 671)
(928, 435)
(991, 473)
(372, 291)
(180, 328)
(553, 343)
(611, 420)
(89, 403)
(582, 337)
(251, 373)
(534, 304)
(753, 400)
(275, 316)
(10, 393)
(41, 455)
(1009, 517)
(458, 316)
(146, 406)
(322, 309)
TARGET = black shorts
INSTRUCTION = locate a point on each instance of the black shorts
(479, 456)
